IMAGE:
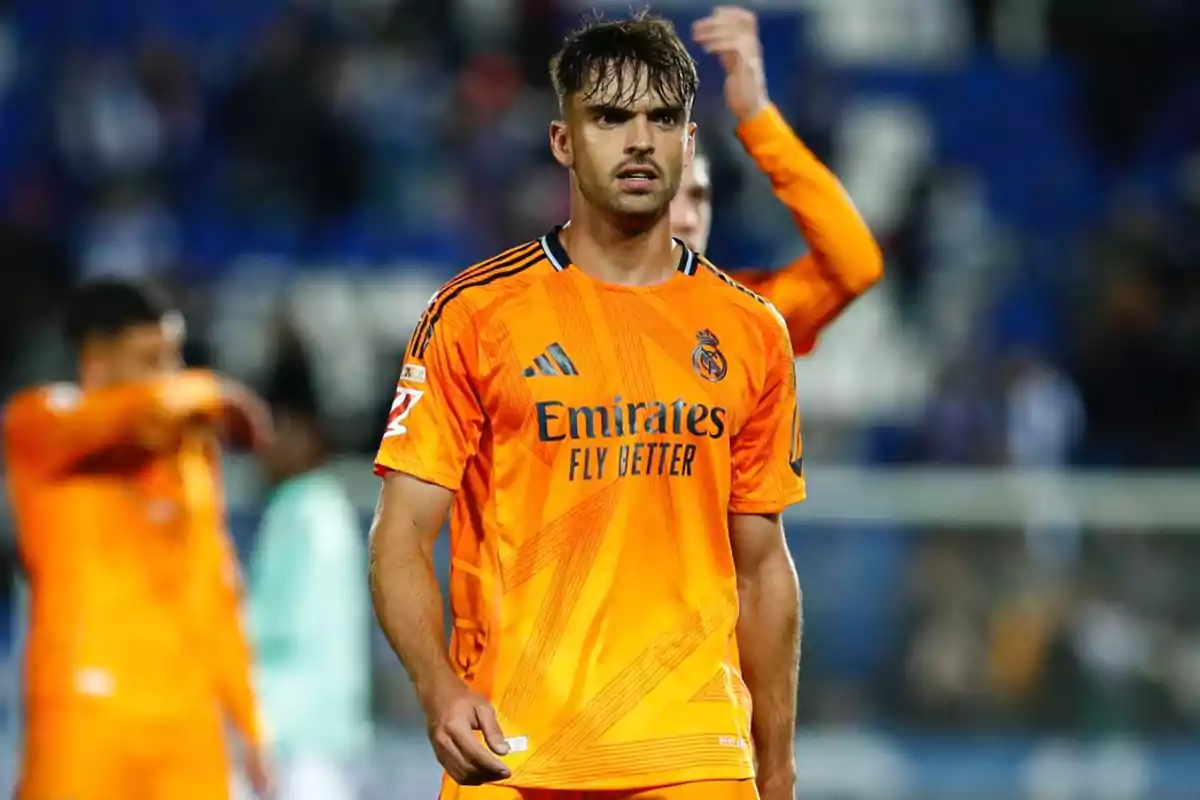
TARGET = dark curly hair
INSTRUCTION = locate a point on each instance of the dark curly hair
(622, 56)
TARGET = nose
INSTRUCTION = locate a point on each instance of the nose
(639, 142)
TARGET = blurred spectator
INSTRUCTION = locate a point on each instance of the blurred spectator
(292, 152)
(309, 603)
(130, 233)
(107, 127)
(37, 272)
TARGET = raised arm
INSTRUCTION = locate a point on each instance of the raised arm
(58, 428)
(55, 428)
(433, 431)
(768, 476)
(844, 259)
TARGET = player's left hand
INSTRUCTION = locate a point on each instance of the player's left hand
(731, 34)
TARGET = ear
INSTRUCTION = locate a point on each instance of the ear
(689, 146)
(560, 143)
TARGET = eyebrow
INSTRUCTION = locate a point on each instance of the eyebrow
(619, 110)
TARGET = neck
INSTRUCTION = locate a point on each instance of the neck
(630, 255)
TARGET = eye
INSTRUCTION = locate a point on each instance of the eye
(667, 118)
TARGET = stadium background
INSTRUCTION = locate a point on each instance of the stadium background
(1000, 554)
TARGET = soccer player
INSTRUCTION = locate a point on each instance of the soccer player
(135, 654)
(610, 422)
(844, 260)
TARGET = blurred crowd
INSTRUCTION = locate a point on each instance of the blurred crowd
(969, 631)
(1032, 169)
(313, 171)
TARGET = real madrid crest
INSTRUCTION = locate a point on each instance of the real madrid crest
(707, 359)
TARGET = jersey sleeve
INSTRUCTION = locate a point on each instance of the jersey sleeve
(220, 570)
(845, 260)
(768, 473)
(435, 421)
(235, 655)
(803, 295)
(54, 428)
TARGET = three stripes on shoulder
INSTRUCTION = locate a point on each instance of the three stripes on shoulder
(554, 361)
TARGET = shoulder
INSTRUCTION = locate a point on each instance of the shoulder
(756, 310)
(45, 400)
(464, 301)
(49, 397)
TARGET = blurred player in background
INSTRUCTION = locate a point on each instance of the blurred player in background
(135, 656)
(611, 423)
(309, 609)
(844, 260)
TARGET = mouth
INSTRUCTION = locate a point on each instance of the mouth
(637, 178)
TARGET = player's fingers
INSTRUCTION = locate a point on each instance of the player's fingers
(713, 24)
(734, 13)
(704, 28)
(483, 764)
(738, 19)
(485, 717)
(723, 44)
(449, 756)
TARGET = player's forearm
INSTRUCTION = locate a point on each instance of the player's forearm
(240, 702)
(408, 604)
(768, 632)
(59, 426)
(154, 414)
(842, 246)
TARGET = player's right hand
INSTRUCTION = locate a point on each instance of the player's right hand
(455, 714)
(731, 34)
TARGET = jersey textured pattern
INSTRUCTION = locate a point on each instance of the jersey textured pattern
(598, 437)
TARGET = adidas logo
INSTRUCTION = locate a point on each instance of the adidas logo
(554, 361)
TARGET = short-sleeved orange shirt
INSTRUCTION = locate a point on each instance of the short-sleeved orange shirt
(598, 438)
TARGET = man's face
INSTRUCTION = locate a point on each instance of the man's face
(139, 352)
(627, 150)
(691, 210)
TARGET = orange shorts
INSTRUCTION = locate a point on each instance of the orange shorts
(700, 790)
(84, 752)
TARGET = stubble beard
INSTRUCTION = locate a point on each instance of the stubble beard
(633, 212)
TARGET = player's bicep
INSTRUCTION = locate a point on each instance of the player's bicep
(757, 540)
(767, 451)
(434, 424)
(408, 516)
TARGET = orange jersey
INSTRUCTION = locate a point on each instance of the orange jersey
(133, 578)
(598, 438)
(844, 260)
